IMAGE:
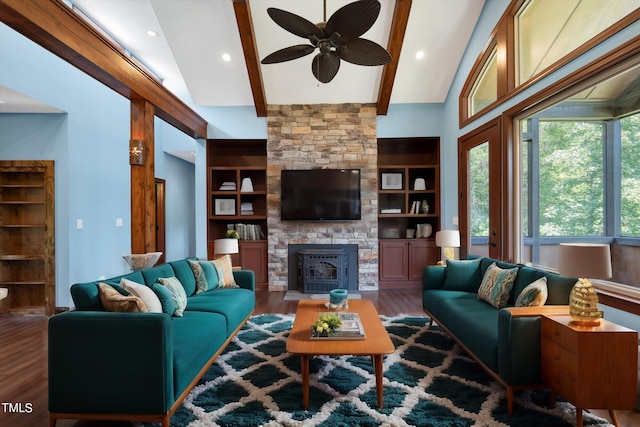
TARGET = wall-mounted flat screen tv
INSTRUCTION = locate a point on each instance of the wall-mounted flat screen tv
(320, 194)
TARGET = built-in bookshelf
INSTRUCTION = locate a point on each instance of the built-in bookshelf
(237, 199)
(409, 208)
(27, 248)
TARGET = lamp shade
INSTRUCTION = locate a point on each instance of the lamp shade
(590, 260)
(448, 238)
(225, 246)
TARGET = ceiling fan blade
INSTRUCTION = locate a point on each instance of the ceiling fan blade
(288, 53)
(294, 24)
(325, 66)
(364, 52)
(354, 19)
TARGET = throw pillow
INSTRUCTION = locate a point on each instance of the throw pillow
(462, 275)
(144, 293)
(496, 285)
(210, 273)
(165, 297)
(201, 281)
(112, 300)
(177, 292)
(225, 272)
(534, 294)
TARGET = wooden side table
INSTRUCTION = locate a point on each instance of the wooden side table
(590, 366)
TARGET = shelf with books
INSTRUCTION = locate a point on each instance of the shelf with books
(408, 200)
(237, 199)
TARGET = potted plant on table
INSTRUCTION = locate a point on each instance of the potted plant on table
(326, 325)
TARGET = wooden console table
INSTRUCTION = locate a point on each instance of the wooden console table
(592, 367)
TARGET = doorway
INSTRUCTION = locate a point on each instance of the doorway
(160, 219)
(480, 190)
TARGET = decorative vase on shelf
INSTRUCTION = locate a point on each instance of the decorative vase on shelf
(425, 207)
(247, 185)
(423, 231)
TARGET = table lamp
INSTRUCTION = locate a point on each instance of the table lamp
(223, 247)
(585, 261)
(447, 240)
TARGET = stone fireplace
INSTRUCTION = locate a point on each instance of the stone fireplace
(323, 136)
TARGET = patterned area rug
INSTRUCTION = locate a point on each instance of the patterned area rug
(428, 381)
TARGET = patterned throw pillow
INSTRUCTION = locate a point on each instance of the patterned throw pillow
(177, 292)
(225, 272)
(112, 300)
(496, 285)
(165, 297)
(143, 292)
(201, 281)
(534, 294)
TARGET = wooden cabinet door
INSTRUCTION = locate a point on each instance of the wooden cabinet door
(394, 256)
(421, 253)
(253, 256)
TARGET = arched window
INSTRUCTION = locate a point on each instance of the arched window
(534, 38)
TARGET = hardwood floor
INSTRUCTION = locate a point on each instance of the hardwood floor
(23, 359)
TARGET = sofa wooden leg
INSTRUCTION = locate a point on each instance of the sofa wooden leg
(509, 400)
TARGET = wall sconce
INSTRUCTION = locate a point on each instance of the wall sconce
(137, 152)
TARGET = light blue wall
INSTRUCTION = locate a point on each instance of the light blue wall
(180, 189)
(409, 120)
(180, 208)
(89, 144)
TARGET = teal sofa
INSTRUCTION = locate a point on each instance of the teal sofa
(506, 341)
(140, 366)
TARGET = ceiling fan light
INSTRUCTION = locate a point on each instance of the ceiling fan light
(338, 39)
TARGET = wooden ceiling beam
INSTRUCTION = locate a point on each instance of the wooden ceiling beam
(394, 47)
(247, 37)
(54, 26)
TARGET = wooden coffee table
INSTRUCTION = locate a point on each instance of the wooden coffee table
(376, 343)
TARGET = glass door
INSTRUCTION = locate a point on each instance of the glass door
(479, 174)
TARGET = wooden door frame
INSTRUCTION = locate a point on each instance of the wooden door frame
(160, 219)
(500, 174)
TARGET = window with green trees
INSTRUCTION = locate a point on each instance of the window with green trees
(571, 169)
(630, 176)
(580, 181)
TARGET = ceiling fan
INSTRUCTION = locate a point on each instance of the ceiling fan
(338, 38)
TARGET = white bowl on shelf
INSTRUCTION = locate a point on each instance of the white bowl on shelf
(142, 261)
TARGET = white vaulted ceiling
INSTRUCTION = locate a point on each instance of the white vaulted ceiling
(193, 36)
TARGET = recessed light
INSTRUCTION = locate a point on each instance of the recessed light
(226, 57)
(420, 54)
(152, 33)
